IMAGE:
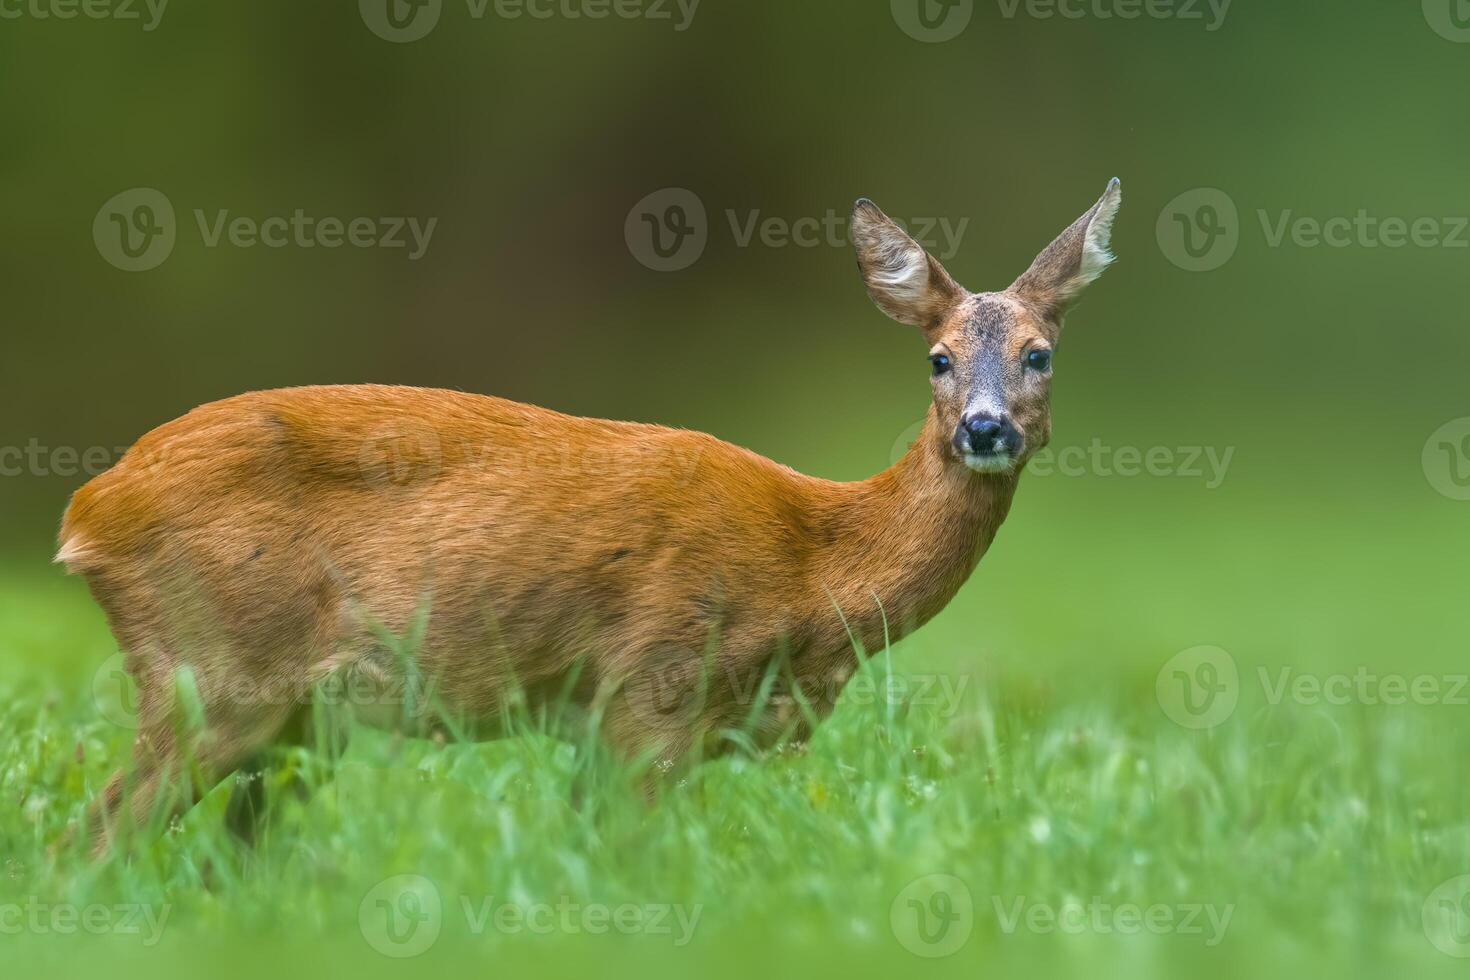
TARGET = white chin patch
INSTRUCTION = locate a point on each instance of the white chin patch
(989, 464)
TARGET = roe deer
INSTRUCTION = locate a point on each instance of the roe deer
(272, 540)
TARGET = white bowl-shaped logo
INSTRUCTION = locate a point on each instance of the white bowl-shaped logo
(115, 694)
(400, 21)
(401, 917)
(933, 916)
(932, 21)
(135, 230)
(668, 230)
(1199, 230)
(1446, 915)
(1199, 687)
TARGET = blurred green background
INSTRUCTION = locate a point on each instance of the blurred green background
(1325, 374)
(1323, 369)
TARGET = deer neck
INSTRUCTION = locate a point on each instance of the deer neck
(907, 539)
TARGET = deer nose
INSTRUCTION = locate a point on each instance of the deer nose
(986, 435)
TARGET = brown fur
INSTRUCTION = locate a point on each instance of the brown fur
(274, 536)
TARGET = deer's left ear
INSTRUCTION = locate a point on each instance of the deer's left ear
(1076, 258)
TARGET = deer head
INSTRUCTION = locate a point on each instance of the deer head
(990, 354)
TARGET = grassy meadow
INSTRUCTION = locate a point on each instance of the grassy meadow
(1202, 709)
(1034, 791)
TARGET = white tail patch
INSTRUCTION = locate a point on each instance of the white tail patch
(75, 554)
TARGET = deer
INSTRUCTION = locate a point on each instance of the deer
(665, 584)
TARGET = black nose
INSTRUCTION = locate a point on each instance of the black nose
(986, 435)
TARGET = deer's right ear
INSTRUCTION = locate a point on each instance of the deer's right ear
(905, 281)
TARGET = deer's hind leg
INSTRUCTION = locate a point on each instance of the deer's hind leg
(219, 621)
(261, 785)
(176, 759)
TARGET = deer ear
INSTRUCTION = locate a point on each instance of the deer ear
(1076, 258)
(905, 281)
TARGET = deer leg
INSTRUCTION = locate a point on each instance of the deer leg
(662, 742)
(162, 785)
(260, 788)
(172, 770)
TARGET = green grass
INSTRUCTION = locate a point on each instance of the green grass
(1049, 774)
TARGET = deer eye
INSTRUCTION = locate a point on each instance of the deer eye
(1039, 360)
(940, 363)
